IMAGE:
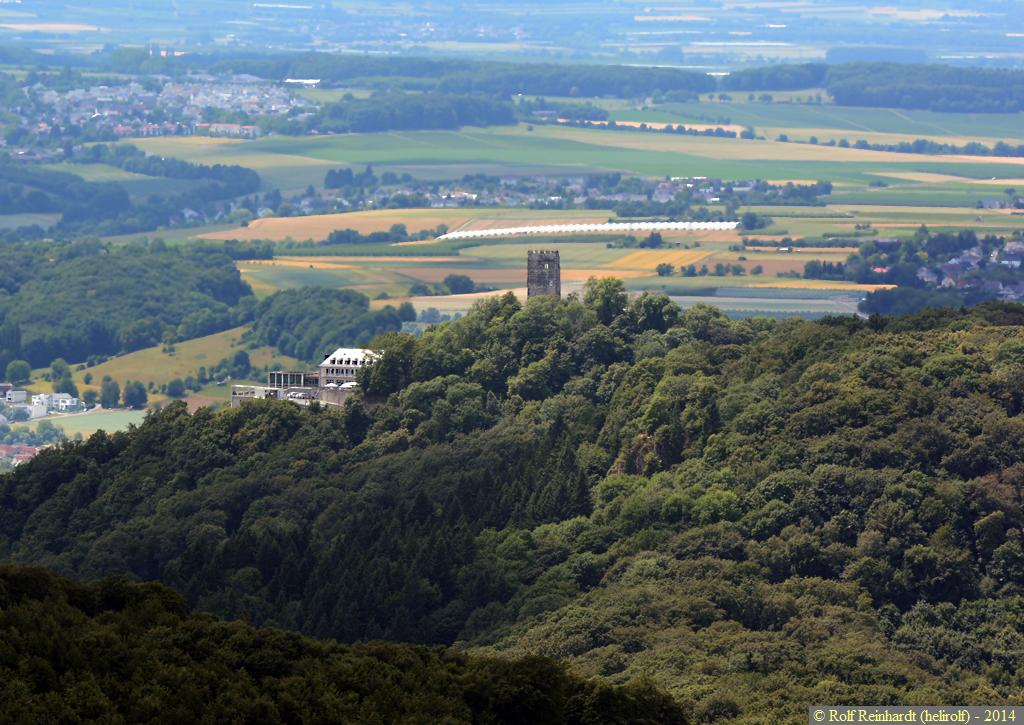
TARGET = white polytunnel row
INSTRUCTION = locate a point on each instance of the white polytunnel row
(591, 228)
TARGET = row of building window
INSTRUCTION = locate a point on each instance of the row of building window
(346, 361)
(341, 371)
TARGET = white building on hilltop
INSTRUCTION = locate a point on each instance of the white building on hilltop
(332, 384)
(342, 366)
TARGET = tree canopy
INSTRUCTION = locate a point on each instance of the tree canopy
(757, 513)
(125, 653)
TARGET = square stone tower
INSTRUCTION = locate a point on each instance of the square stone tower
(543, 273)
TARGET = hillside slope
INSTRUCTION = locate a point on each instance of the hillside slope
(118, 652)
(755, 514)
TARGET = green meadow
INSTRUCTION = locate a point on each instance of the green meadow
(798, 116)
(292, 163)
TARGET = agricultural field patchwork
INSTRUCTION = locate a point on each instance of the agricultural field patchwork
(874, 193)
(293, 163)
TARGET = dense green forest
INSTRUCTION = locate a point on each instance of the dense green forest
(86, 298)
(458, 76)
(309, 322)
(882, 84)
(229, 180)
(119, 652)
(894, 85)
(758, 514)
(400, 112)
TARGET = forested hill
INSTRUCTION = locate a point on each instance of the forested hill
(130, 653)
(75, 300)
(758, 514)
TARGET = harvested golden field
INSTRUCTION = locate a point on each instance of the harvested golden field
(363, 261)
(319, 226)
(575, 216)
(648, 259)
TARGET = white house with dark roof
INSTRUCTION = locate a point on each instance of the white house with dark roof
(343, 365)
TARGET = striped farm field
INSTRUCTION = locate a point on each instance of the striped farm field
(269, 276)
(579, 254)
(375, 259)
(648, 259)
(307, 262)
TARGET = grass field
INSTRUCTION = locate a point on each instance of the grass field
(153, 364)
(293, 163)
(134, 184)
(110, 421)
(854, 122)
(27, 219)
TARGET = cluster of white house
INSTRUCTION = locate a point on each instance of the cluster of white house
(39, 405)
(591, 228)
(331, 384)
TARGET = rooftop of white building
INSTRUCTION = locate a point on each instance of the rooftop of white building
(349, 356)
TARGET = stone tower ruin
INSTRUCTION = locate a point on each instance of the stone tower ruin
(543, 273)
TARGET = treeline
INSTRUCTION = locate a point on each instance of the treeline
(127, 652)
(881, 84)
(810, 511)
(396, 233)
(456, 76)
(529, 108)
(25, 188)
(233, 180)
(446, 75)
(680, 129)
(75, 300)
(895, 85)
(400, 112)
(926, 146)
(106, 208)
(309, 323)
